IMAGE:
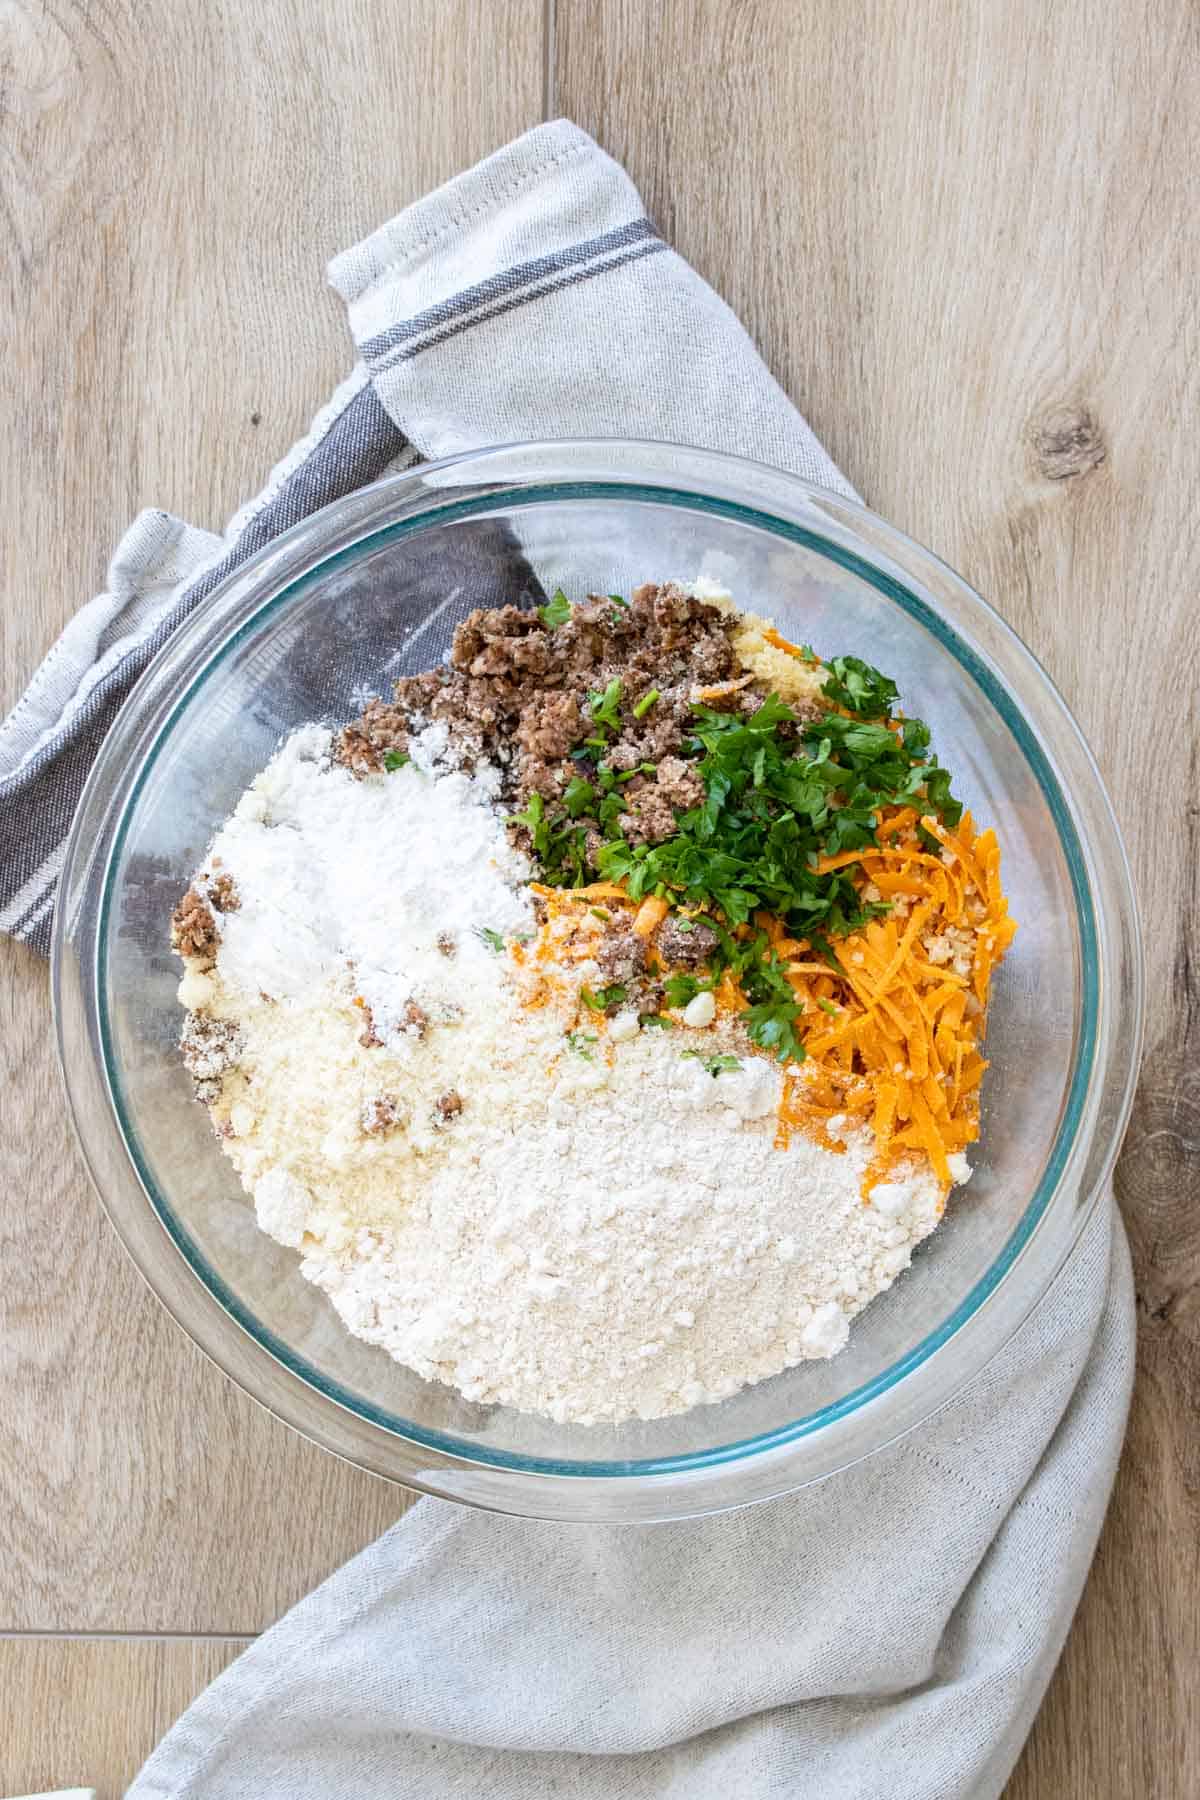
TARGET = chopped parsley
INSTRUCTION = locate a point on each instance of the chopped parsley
(606, 707)
(658, 1020)
(493, 939)
(716, 1065)
(858, 687)
(619, 600)
(603, 998)
(580, 796)
(771, 1025)
(827, 1006)
(780, 795)
(642, 706)
(579, 1041)
(680, 988)
(562, 850)
(395, 759)
(556, 612)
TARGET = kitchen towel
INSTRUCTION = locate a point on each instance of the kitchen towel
(889, 1631)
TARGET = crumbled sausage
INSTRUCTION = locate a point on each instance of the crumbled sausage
(368, 1037)
(679, 783)
(380, 1115)
(622, 956)
(653, 808)
(223, 894)
(517, 692)
(362, 747)
(447, 943)
(650, 818)
(414, 1020)
(685, 944)
(193, 928)
(447, 1106)
(551, 725)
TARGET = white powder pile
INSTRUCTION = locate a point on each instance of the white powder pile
(639, 1250)
(584, 1224)
(332, 871)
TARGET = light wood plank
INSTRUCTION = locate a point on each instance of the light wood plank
(174, 179)
(88, 1714)
(966, 241)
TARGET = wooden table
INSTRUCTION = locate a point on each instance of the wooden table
(965, 237)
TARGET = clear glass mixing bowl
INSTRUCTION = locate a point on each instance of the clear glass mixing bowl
(371, 588)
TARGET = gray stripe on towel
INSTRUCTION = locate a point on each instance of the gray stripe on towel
(520, 275)
(406, 353)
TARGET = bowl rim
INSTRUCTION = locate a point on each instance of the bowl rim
(264, 585)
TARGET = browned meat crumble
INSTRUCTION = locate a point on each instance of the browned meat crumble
(368, 1037)
(193, 928)
(515, 688)
(518, 693)
(223, 894)
(381, 1115)
(363, 745)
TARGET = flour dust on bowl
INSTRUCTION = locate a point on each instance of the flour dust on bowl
(370, 592)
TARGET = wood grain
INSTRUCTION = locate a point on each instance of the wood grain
(173, 180)
(966, 240)
(90, 1713)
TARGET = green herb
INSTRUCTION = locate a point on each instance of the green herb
(534, 818)
(716, 1065)
(603, 998)
(493, 939)
(598, 912)
(605, 707)
(556, 612)
(829, 1007)
(861, 689)
(579, 1041)
(642, 706)
(561, 849)
(771, 1024)
(659, 1020)
(808, 654)
(682, 989)
(685, 925)
(580, 796)
(395, 759)
(619, 600)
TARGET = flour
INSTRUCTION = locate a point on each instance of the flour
(596, 1227)
(640, 1250)
(351, 883)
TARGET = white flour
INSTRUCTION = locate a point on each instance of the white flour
(605, 1230)
(638, 1251)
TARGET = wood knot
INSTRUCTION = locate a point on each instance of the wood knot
(1067, 441)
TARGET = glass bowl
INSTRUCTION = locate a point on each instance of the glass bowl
(371, 588)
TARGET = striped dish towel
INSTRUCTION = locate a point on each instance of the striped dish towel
(505, 306)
